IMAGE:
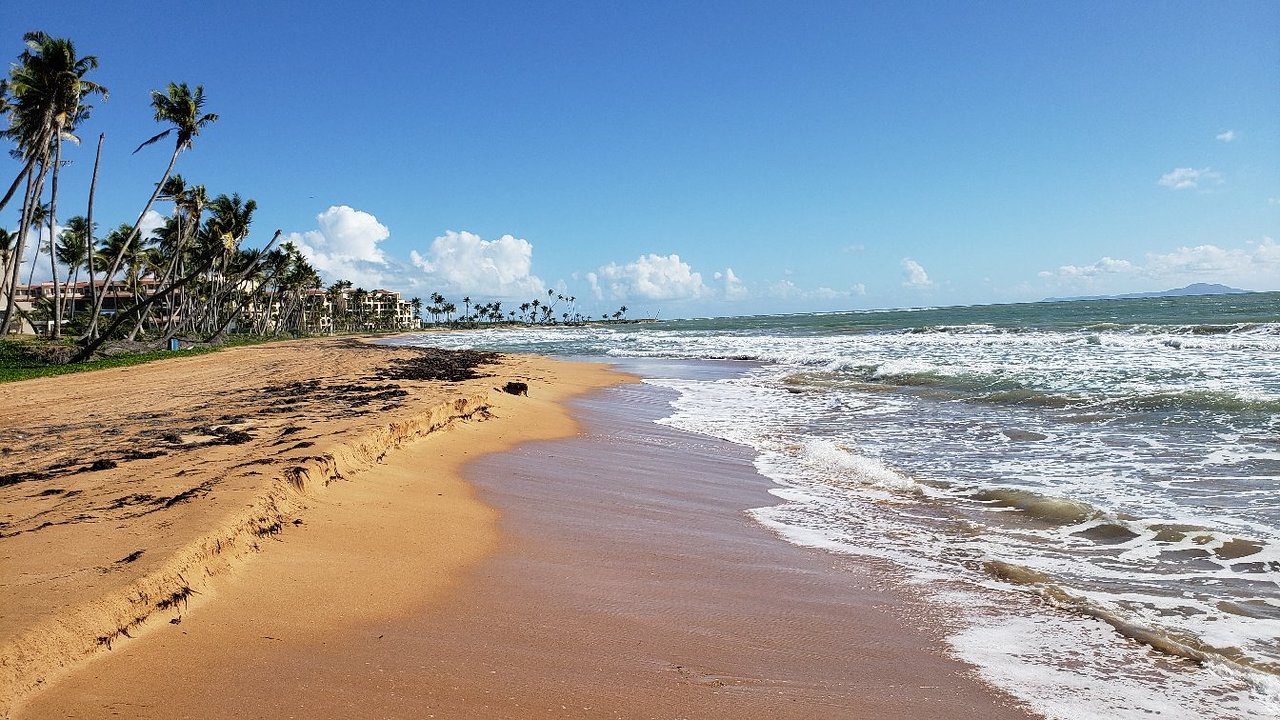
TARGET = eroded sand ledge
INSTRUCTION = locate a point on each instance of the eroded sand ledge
(125, 492)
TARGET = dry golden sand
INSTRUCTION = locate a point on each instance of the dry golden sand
(253, 440)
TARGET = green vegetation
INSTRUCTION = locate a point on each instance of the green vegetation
(20, 360)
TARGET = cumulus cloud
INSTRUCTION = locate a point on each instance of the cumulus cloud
(151, 222)
(1254, 266)
(1190, 178)
(649, 277)
(465, 262)
(1102, 267)
(915, 275)
(1226, 135)
(345, 246)
(733, 289)
(1211, 261)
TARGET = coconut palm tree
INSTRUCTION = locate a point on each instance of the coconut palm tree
(47, 84)
(183, 109)
(73, 252)
(227, 225)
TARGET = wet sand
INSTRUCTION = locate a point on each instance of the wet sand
(616, 575)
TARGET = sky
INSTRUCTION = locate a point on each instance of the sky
(710, 158)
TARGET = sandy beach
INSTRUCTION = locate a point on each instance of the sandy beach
(400, 564)
(128, 492)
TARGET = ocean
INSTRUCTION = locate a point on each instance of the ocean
(1086, 491)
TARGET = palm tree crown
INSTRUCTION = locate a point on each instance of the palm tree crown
(182, 108)
(48, 84)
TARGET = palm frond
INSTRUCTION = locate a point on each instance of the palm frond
(155, 139)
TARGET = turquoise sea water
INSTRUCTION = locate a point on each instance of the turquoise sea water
(1086, 490)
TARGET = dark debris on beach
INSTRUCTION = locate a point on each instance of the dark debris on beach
(439, 365)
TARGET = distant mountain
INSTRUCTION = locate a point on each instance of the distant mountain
(1192, 289)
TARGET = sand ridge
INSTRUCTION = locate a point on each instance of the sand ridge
(125, 491)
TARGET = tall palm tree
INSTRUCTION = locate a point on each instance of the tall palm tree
(183, 109)
(48, 84)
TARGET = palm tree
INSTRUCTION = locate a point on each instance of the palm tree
(48, 84)
(73, 251)
(219, 240)
(184, 110)
(359, 298)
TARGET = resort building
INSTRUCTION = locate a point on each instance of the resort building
(317, 311)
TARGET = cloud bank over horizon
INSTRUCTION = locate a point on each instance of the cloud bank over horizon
(1252, 267)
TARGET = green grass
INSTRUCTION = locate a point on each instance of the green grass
(16, 362)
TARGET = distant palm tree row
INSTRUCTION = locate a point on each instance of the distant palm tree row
(190, 278)
(535, 312)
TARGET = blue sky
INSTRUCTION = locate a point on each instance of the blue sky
(714, 158)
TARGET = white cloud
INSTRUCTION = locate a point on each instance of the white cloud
(649, 277)
(29, 255)
(786, 290)
(916, 277)
(1226, 136)
(151, 222)
(1102, 267)
(346, 246)
(1204, 262)
(465, 262)
(1190, 178)
(733, 287)
(1254, 266)
(826, 293)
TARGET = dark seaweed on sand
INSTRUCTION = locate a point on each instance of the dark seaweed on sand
(436, 364)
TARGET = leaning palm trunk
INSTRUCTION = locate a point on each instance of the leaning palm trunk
(24, 173)
(249, 270)
(89, 348)
(88, 235)
(133, 234)
(16, 270)
(239, 309)
(168, 274)
(56, 333)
